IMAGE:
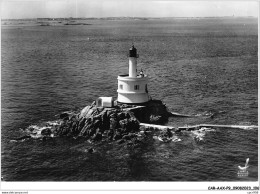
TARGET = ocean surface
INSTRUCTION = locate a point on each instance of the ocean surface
(196, 66)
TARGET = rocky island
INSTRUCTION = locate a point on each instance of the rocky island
(119, 119)
(119, 122)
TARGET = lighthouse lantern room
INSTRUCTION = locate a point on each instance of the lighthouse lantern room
(132, 87)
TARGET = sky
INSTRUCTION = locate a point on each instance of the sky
(17, 9)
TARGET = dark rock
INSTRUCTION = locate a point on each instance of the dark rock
(85, 130)
(166, 133)
(44, 138)
(123, 123)
(132, 135)
(31, 128)
(74, 128)
(136, 141)
(108, 113)
(96, 123)
(130, 143)
(105, 122)
(123, 115)
(73, 117)
(97, 136)
(117, 136)
(100, 109)
(90, 150)
(113, 123)
(23, 137)
(46, 131)
(91, 131)
(129, 125)
(113, 115)
(129, 136)
(119, 130)
(147, 132)
(81, 123)
(105, 133)
(126, 137)
(63, 129)
(110, 134)
(64, 116)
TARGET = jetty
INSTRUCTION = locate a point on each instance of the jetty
(156, 127)
(195, 127)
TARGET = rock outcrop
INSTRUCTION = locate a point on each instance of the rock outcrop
(117, 123)
(154, 111)
(97, 123)
(120, 123)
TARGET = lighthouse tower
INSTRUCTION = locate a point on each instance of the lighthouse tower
(132, 87)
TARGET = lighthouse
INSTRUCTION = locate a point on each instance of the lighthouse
(132, 87)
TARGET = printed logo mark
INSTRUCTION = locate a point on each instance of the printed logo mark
(243, 170)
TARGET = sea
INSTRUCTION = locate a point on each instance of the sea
(196, 66)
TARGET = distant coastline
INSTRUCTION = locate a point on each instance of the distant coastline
(49, 22)
(120, 18)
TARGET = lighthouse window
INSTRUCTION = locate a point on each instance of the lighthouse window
(121, 86)
(136, 87)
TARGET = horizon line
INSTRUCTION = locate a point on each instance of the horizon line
(126, 17)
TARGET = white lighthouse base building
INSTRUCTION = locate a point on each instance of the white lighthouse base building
(132, 90)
